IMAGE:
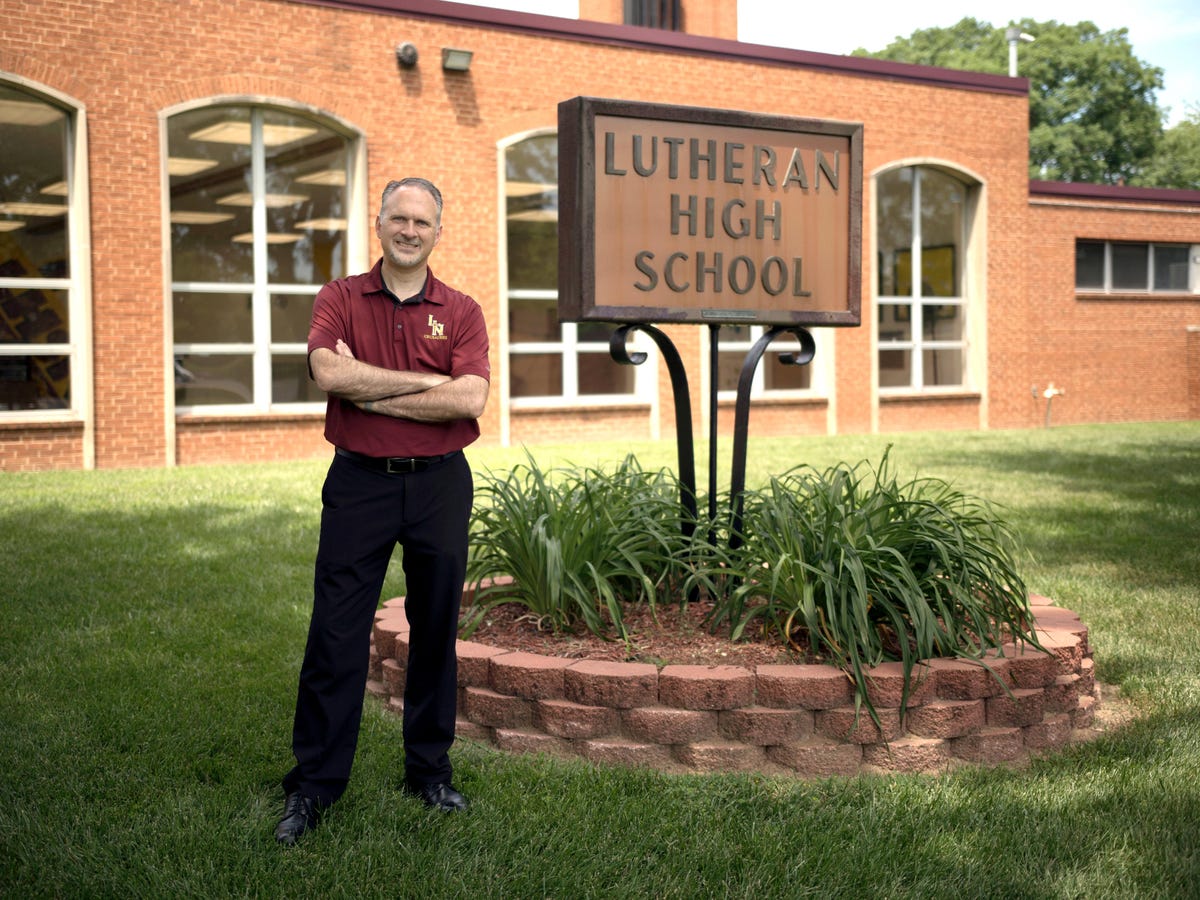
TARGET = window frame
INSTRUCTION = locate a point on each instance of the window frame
(262, 351)
(915, 305)
(1108, 289)
(568, 347)
(77, 285)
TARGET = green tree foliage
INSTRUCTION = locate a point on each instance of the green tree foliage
(1177, 162)
(1093, 116)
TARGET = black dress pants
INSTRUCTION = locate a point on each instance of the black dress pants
(365, 514)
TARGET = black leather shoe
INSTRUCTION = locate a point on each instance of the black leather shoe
(441, 797)
(300, 814)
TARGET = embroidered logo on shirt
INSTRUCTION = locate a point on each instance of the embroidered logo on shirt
(437, 330)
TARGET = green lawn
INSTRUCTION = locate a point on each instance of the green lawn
(152, 624)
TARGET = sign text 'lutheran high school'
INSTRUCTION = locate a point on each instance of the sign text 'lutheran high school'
(680, 214)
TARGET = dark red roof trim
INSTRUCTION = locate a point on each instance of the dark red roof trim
(1112, 192)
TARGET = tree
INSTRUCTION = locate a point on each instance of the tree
(1093, 116)
(1177, 162)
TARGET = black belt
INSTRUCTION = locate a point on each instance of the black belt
(394, 465)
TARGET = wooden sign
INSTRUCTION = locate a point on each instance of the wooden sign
(682, 214)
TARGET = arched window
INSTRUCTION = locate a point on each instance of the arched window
(549, 361)
(921, 234)
(259, 201)
(43, 311)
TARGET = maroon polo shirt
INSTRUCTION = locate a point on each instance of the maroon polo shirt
(441, 330)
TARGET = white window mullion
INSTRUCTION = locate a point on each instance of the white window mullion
(261, 299)
(916, 311)
(570, 371)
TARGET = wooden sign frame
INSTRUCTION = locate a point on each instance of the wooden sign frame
(686, 214)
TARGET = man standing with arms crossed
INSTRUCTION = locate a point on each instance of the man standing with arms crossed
(404, 359)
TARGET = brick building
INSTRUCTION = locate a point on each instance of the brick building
(180, 176)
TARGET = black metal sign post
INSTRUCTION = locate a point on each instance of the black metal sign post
(685, 215)
(685, 445)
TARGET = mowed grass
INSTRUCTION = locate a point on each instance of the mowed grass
(152, 624)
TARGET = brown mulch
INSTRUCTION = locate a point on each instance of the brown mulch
(673, 636)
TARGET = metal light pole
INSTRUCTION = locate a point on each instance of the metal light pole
(1015, 36)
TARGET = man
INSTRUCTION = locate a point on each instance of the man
(404, 359)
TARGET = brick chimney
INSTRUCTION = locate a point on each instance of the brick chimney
(707, 18)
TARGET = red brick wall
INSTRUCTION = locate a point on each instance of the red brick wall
(144, 58)
(1118, 359)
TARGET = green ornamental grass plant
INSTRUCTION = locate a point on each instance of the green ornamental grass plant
(573, 545)
(857, 568)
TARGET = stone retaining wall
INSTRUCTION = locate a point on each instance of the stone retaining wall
(797, 719)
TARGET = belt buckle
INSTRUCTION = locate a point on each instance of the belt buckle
(401, 465)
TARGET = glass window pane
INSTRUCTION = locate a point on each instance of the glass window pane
(33, 316)
(942, 323)
(599, 374)
(594, 332)
(536, 375)
(533, 320)
(290, 318)
(943, 202)
(780, 377)
(213, 318)
(290, 382)
(1089, 265)
(33, 192)
(305, 199)
(1171, 267)
(204, 378)
(532, 255)
(531, 209)
(939, 272)
(35, 382)
(895, 322)
(730, 369)
(1130, 266)
(943, 368)
(211, 194)
(895, 232)
(895, 368)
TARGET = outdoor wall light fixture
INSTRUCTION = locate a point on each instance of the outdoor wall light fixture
(455, 60)
(406, 54)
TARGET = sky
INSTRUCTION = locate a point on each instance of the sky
(1163, 33)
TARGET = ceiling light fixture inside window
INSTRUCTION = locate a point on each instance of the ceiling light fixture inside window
(197, 217)
(23, 112)
(239, 133)
(279, 238)
(273, 201)
(185, 165)
(33, 209)
(332, 177)
(323, 224)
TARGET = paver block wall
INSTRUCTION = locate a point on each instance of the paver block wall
(784, 718)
